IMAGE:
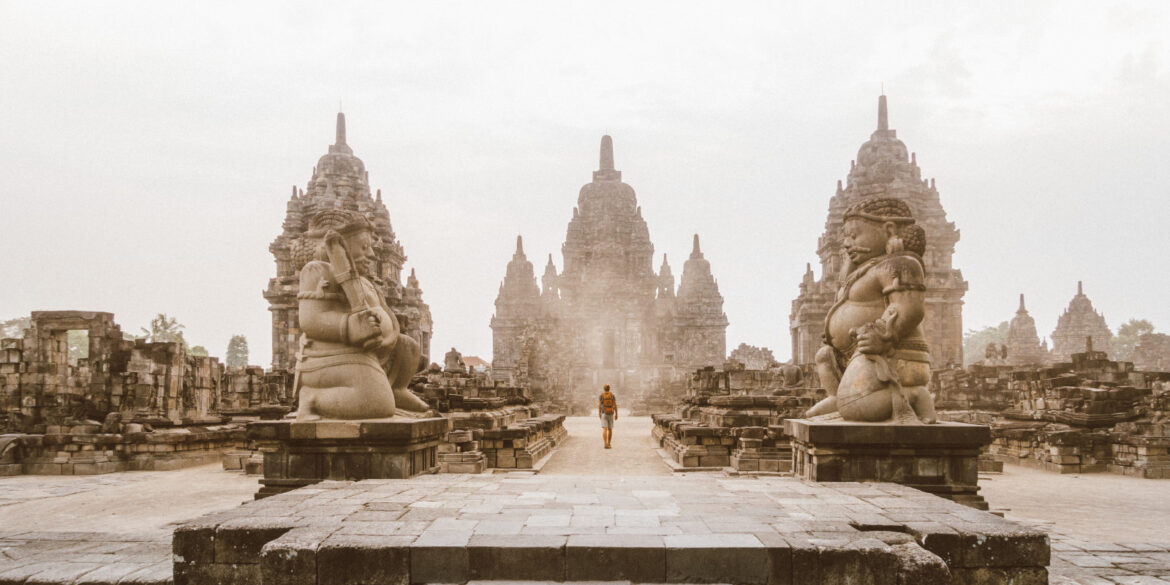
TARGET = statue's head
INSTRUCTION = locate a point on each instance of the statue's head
(876, 227)
(354, 229)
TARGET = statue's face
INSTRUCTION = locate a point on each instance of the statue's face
(361, 250)
(864, 239)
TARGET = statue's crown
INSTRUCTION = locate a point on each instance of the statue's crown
(881, 210)
(338, 220)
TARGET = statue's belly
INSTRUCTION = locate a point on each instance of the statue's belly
(850, 315)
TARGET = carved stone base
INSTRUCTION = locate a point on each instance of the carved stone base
(297, 454)
(942, 459)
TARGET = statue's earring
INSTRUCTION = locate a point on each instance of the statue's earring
(895, 245)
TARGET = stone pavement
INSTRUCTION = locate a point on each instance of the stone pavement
(698, 528)
(1086, 514)
(633, 453)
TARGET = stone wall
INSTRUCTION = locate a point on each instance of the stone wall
(86, 449)
(156, 383)
(1090, 414)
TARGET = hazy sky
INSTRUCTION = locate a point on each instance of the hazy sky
(148, 149)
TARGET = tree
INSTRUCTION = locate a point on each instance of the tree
(237, 352)
(197, 351)
(163, 328)
(1128, 335)
(15, 327)
(975, 341)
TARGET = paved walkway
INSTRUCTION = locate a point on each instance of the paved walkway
(633, 451)
(1106, 529)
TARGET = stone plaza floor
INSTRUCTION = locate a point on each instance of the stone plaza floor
(116, 528)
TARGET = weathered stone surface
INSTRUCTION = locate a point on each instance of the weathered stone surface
(697, 528)
(941, 459)
(297, 454)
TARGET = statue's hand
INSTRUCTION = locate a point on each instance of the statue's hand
(873, 340)
(363, 328)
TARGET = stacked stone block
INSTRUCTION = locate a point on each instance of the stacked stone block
(460, 453)
(1089, 414)
(734, 418)
(524, 444)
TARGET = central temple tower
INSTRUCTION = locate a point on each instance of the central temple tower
(607, 317)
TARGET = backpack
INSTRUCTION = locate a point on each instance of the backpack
(608, 403)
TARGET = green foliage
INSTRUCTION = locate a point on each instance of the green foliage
(237, 352)
(197, 351)
(14, 327)
(975, 341)
(163, 328)
(1127, 338)
(78, 342)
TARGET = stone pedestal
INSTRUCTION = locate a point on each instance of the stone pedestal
(942, 459)
(297, 454)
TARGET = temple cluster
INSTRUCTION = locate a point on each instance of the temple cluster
(607, 316)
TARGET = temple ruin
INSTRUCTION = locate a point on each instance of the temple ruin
(1023, 344)
(339, 182)
(884, 168)
(607, 317)
(1079, 321)
(130, 404)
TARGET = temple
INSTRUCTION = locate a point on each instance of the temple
(607, 316)
(340, 181)
(884, 168)
(1078, 323)
(1023, 344)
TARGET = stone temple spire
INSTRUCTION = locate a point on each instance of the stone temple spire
(695, 251)
(605, 169)
(1021, 309)
(606, 163)
(519, 248)
(339, 144)
(883, 115)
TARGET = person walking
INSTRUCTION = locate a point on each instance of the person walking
(607, 410)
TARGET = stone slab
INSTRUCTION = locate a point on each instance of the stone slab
(942, 459)
(297, 454)
(953, 434)
(702, 528)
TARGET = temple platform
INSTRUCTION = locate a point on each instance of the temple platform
(697, 528)
(297, 454)
(942, 458)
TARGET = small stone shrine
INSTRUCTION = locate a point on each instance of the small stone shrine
(1079, 321)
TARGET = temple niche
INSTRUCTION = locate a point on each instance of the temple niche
(884, 168)
(339, 182)
(1078, 323)
(1023, 344)
(608, 316)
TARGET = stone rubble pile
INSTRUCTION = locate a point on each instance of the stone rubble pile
(735, 418)
(1091, 414)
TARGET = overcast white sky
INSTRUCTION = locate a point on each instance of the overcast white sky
(148, 149)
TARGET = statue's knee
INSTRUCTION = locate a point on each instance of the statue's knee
(824, 355)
